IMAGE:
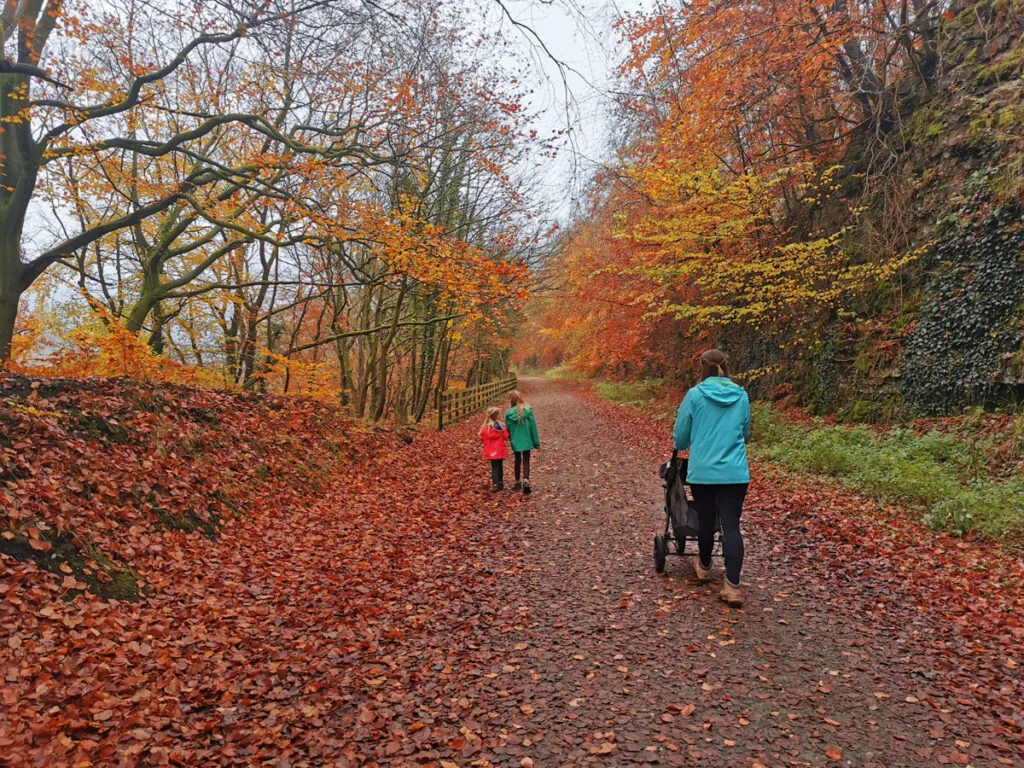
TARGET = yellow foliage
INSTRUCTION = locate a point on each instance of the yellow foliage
(709, 250)
(318, 380)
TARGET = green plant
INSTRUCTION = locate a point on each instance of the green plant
(956, 353)
(564, 371)
(629, 392)
(942, 475)
(66, 553)
(864, 411)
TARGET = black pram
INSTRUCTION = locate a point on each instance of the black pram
(682, 524)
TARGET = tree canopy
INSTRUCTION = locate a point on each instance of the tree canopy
(321, 196)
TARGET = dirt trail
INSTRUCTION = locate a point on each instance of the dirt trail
(607, 662)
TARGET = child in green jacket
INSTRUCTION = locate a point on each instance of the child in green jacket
(522, 432)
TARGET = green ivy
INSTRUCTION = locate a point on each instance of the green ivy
(824, 379)
(970, 321)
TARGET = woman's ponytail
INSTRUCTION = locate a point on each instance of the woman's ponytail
(714, 362)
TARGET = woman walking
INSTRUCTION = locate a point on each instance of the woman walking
(522, 432)
(714, 423)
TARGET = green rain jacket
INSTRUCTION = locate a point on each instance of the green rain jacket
(522, 432)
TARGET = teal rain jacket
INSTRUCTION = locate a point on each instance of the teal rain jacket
(714, 423)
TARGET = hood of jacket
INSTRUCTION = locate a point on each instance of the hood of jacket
(720, 391)
(513, 415)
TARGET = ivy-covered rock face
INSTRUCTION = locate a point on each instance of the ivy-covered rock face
(970, 324)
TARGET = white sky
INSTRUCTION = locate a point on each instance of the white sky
(578, 33)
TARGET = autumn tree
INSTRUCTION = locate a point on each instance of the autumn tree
(431, 243)
(388, 259)
(152, 97)
(726, 214)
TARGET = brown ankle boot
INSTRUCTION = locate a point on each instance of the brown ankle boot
(703, 574)
(731, 594)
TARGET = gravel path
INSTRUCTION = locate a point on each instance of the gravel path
(599, 660)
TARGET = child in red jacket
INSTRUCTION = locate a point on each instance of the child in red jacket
(493, 434)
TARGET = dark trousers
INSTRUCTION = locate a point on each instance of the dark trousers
(722, 503)
(522, 464)
(498, 472)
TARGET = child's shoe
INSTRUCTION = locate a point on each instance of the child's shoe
(731, 594)
(526, 486)
(703, 574)
(496, 488)
(518, 486)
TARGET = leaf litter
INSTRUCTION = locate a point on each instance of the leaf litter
(366, 601)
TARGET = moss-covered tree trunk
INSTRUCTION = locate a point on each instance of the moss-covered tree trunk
(19, 168)
(9, 297)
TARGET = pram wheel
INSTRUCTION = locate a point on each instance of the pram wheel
(660, 551)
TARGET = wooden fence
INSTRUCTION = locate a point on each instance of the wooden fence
(458, 404)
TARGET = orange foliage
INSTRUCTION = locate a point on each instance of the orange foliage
(709, 229)
(103, 349)
(318, 380)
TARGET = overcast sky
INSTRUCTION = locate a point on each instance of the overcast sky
(581, 36)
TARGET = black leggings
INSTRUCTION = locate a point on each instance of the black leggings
(723, 503)
(522, 464)
(498, 472)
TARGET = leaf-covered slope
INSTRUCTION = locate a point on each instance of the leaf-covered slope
(295, 574)
(97, 477)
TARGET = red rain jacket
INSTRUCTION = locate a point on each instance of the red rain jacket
(494, 438)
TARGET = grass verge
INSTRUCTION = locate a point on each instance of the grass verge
(643, 392)
(942, 474)
(563, 371)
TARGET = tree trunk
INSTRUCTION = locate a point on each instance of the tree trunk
(12, 283)
(231, 345)
(437, 343)
(382, 374)
(136, 319)
(18, 172)
(9, 296)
